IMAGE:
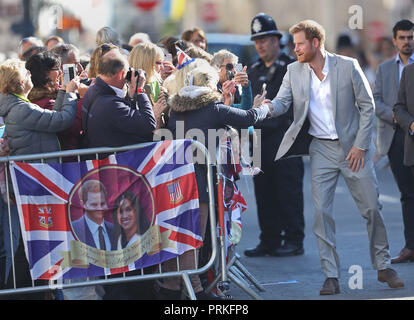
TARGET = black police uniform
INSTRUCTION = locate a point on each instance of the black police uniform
(279, 189)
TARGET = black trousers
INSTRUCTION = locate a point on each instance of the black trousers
(405, 181)
(279, 199)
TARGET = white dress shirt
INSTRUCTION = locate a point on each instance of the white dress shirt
(93, 228)
(401, 65)
(322, 122)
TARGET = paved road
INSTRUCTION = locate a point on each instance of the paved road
(300, 277)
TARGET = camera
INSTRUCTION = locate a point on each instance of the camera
(229, 73)
(129, 75)
(69, 73)
(86, 82)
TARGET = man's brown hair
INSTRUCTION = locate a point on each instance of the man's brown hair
(94, 186)
(111, 63)
(312, 30)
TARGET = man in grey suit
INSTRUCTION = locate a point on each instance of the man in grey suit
(333, 121)
(390, 136)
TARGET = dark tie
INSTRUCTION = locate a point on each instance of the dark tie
(102, 245)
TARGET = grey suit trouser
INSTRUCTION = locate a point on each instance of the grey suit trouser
(327, 162)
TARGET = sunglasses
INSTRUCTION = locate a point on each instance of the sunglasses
(229, 66)
(105, 48)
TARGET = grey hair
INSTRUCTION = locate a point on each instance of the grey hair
(35, 40)
(220, 56)
(108, 35)
(112, 62)
(139, 36)
(63, 50)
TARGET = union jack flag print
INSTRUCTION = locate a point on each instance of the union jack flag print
(234, 202)
(50, 203)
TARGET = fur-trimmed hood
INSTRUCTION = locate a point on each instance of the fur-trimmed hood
(41, 93)
(193, 98)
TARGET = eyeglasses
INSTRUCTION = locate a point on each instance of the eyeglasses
(229, 66)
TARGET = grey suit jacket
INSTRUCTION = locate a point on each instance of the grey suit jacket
(352, 101)
(385, 93)
(404, 111)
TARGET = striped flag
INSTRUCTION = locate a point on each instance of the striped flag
(234, 202)
(51, 205)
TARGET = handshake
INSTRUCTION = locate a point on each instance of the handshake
(260, 100)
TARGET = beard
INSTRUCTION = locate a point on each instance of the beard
(306, 57)
(407, 50)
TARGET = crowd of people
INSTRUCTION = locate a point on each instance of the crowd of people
(127, 93)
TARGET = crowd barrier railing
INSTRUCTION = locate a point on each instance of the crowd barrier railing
(230, 267)
(107, 280)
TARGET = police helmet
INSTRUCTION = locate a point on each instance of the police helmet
(262, 26)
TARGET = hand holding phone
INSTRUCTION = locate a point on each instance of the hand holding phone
(241, 76)
(69, 73)
(73, 85)
(264, 92)
(239, 68)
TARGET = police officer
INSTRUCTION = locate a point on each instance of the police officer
(279, 189)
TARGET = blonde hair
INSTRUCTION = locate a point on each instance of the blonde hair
(205, 76)
(312, 30)
(179, 79)
(197, 52)
(144, 56)
(11, 76)
(96, 57)
(138, 38)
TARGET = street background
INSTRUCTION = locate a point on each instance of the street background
(300, 277)
(77, 21)
(367, 22)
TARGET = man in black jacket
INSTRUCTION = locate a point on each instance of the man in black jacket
(279, 189)
(111, 118)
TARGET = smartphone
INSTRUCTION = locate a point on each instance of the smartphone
(264, 88)
(69, 72)
(168, 57)
(238, 68)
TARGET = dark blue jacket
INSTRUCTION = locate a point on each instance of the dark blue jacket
(114, 121)
(84, 235)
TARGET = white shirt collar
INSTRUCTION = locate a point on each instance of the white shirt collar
(325, 69)
(119, 92)
(93, 226)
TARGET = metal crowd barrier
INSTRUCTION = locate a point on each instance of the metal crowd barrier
(230, 267)
(184, 274)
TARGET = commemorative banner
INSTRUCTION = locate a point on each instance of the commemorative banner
(129, 211)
